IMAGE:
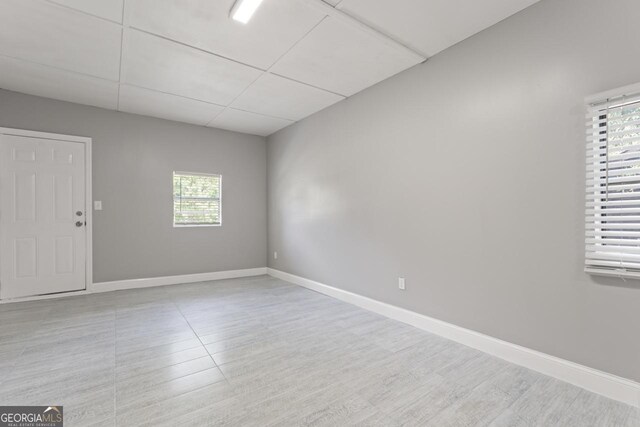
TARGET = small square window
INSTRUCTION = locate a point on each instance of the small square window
(196, 199)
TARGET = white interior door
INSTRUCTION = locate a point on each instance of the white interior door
(42, 216)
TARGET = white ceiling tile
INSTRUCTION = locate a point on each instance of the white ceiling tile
(279, 97)
(170, 67)
(432, 25)
(198, 54)
(42, 32)
(274, 28)
(171, 107)
(40, 80)
(108, 9)
(342, 58)
(242, 121)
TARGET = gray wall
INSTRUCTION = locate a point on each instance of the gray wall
(466, 176)
(133, 161)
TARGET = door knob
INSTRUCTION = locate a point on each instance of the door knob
(79, 223)
(79, 213)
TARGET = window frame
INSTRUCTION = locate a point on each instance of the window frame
(603, 102)
(219, 199)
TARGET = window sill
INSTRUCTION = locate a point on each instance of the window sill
(619, 273)
(195, 225)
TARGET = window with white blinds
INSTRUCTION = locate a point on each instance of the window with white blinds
(613, 187)
(196, 199)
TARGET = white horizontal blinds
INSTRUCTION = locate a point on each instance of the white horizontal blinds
(196, 199)
(613, 187)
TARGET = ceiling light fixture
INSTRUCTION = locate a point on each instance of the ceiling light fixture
(243, 10)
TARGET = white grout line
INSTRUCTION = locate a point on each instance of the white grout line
(199, 339)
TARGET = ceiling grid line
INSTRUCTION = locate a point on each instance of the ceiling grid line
(54, 67)
(336, 13)
(268, 71)
(190, 61)
(121, 66)
(227, 106)
(310, 85)
(295, 44)
(262, 114)
(208, 52)
(83, 12)
(172, 94)
(108, 80)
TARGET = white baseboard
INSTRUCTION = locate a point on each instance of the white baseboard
(119, 285)
(608, 385)
(175, 280)
(44, 297)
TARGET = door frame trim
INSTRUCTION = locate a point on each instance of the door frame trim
(87, 141)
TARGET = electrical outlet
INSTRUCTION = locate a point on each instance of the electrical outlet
(401, 283)
(275, 254)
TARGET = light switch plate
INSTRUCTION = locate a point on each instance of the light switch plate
(97, 205)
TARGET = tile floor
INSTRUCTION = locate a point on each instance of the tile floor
(263, 352)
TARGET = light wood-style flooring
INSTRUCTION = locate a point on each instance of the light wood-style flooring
(261, 352)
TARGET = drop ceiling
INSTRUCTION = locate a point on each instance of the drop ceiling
(186, 60)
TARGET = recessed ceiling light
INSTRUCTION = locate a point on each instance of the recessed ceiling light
(243, 10)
